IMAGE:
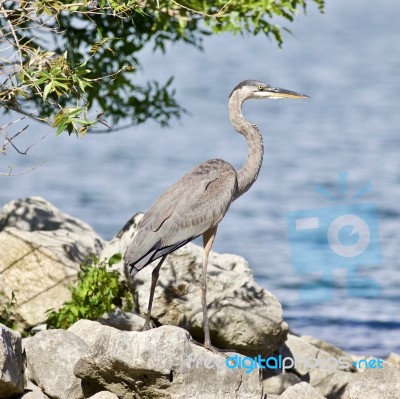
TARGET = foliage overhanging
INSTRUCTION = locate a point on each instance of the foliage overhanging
(62, 60)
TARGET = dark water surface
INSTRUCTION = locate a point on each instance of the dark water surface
(348, 62)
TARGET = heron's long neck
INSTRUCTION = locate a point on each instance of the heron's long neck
(247, 175)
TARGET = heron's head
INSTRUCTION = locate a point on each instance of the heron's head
(254, 89)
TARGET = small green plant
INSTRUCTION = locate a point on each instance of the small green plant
(7, 305)
(97, 291)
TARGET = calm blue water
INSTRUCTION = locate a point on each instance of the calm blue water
(348, 61)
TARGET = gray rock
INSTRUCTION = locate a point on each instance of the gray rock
(33, 392)
(127, 321)
(163, 363)
(376, 383)
(11, 363)
(40, 327)
(104, 395)
(394, 359)
(243, 316)
(328, 348)
(328, 372)
(305, 348)
(41, 248)
(301, 391)
(37, 214)
(51, 356)
(89, 331)
(120, 242)
(277, 384)
(34, 395)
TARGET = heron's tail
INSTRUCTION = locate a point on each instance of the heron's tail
(136, 258)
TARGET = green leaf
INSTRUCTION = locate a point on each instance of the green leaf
(96, 292)
(116, 258)
(47, 90)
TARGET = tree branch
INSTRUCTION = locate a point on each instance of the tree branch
(25, 172)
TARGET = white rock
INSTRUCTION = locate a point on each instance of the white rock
(277, 384)
(33, 392)
(120, 242)
(89, 331)
(127, 321)
(394, 358)
(34, 395)
(243, 316)
(328, 372)
(11, 363)
(163, 363)
(41, 249)
(104, 395)
(51, 357)
(301, 391)
(376, 383)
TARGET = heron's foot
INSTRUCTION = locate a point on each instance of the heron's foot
(213, 349)
(217, 351)
(225, 352)
(147, 326)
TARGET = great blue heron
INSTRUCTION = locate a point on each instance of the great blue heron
(197, 202)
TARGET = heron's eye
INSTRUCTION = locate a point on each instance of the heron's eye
(260, 88)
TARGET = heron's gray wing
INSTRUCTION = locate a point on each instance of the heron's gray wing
(194, 204)
(186, 190)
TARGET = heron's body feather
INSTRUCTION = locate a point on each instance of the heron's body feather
(194, 204)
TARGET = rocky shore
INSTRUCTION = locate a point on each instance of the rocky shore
(41, 250)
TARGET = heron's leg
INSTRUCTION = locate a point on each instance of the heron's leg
(154, 278)
(208, 240)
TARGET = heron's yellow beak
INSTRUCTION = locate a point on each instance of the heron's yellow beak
(282, 93)
(275, 92)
